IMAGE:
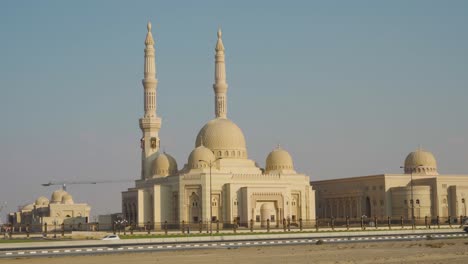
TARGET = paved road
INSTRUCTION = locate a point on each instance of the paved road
(113, 249)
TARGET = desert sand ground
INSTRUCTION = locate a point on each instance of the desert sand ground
(426, 251)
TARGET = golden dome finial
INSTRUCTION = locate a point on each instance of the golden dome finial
(149, 26)
(149, 37)
(219, 43)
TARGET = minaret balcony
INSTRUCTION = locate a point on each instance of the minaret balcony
(150, 123)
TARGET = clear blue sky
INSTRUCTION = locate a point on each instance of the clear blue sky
(348, 87)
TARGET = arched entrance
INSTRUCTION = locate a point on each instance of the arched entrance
(267, 212)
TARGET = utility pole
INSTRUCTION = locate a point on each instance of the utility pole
(413, 223)
(2, 206)
(210, 164)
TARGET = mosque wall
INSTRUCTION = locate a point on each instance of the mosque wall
(402, 201)
(351, 197)
(433, 195)
(449, 194)
(457, 196)
(130, 205)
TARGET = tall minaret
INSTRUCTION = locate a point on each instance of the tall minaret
(220, 86)
(150, 123)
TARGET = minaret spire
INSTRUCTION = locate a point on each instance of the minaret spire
(150, 123)
(150, 82)
(220, 86)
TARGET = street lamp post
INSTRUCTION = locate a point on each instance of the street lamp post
(55, 228)
(210, 164)
(411, 191)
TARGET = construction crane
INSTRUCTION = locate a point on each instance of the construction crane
(65, 183)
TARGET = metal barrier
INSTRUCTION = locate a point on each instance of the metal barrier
(253, 225)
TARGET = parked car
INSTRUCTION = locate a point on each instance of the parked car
(111, 237)
(465, 225)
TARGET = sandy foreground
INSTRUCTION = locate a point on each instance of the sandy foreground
(426, 251)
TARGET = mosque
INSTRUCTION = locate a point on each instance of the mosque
(218, 181)
(60, 209)
(420, 191)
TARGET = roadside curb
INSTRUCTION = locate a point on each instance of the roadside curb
(240, 237)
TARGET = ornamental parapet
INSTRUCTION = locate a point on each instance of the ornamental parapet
(256, 176)
(192, 176)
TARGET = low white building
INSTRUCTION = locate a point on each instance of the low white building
(419, 190)
(60, 209)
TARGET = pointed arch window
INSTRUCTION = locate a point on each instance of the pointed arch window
(194, 199)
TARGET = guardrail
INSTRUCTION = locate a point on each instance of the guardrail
(285, 225)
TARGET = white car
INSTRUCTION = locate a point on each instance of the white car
(111, 237)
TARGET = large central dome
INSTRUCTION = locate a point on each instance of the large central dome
(224, 138)
(421, 162)
(220, 135)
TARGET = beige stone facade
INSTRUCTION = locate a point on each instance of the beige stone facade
(218, 181)
(391, 195)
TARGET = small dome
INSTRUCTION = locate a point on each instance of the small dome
(198, 154)
(57, 196)
(164, 165)
(67, 199)
(279, 159)
(421, 162)
(42, 201)
(224, 138)
(28, 207)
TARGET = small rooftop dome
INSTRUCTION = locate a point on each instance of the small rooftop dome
(278, 160)
(28, 207)
(164, 165)
(67, 199)
(57, 196)
(199, 157)
(42, 201)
